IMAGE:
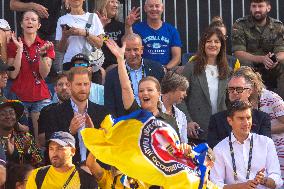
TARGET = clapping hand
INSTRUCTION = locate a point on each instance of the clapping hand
(45, 47)
(18, 42)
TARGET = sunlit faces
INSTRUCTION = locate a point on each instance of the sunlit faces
(30, 23)
(148, 95)
(80, 87)
(60, 155)
(62, 89)
(212, 46)
(7, 118)
(239, 82)
(133, 53)
(3, 79)
(241, 122)
(154, 9)
(259, 11)
(112, 8)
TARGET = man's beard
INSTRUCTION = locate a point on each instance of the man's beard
(63, 96)
(77, 97)
(59, 163)
(259, 18)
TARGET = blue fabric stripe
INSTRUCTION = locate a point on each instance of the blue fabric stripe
(141, 115)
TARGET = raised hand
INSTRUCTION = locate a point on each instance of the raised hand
(115, 49)
(41, 10)
(104, 19)
(132, 17)
(18, 42)
(10, 144)
(45, 47)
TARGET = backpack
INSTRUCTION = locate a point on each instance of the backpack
(87, 181)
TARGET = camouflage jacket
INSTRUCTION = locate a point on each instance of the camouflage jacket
(247, 36)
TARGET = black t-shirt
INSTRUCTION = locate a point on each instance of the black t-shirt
(48, 26)
(114, 30)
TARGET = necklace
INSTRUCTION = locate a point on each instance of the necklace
(28, 56)
(234, 161)
(212, 70)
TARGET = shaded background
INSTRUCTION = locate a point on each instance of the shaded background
(190, 17)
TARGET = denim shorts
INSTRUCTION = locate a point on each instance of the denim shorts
(36, 106)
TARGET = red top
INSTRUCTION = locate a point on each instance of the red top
(29, 86)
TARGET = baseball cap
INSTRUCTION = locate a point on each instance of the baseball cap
(5, 67)
(4, 25)
(77, 60)
(63, 138)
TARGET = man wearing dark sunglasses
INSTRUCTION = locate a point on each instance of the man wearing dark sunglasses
(238, 88)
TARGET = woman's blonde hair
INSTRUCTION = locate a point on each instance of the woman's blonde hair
(100, 6)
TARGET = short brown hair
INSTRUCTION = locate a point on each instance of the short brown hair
(236, 106)
(173, 81)
(78, 70)
(259, 1)
(60, 76)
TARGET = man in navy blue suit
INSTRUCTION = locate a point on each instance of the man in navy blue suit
(239, 88)
(137, 68)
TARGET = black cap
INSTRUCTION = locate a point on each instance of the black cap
(63, 138)
(5, 67)
(84, 61)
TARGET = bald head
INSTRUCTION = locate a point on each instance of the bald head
(132, 37)
(151, 1)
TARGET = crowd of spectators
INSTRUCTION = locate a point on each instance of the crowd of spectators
(50, 90)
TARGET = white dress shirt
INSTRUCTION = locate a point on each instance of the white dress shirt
(263, 156)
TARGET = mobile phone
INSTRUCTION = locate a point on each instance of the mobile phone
(199, 131)
(273, 58)
(65, 26)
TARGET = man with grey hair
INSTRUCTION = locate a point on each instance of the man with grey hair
(137, 68)
(161, 40)
(238, 88)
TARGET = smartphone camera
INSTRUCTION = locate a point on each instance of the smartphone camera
(273, 58)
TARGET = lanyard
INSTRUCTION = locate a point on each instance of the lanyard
(234, 161)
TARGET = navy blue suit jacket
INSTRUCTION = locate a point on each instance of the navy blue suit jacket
(219, 127)
(113, 96)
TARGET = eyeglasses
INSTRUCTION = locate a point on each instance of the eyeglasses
(237, 89)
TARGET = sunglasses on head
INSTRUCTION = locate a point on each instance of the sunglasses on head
(237, 89)
(83, 64)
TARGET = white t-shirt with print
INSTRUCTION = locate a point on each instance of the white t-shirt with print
(76, 43)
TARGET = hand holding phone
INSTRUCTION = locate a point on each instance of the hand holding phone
(273, 58)
(65, 26)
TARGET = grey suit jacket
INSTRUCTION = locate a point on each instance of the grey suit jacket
(198, 99)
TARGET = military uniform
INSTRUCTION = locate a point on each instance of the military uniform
(247, 36)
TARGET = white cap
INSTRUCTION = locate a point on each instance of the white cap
(4, 25)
